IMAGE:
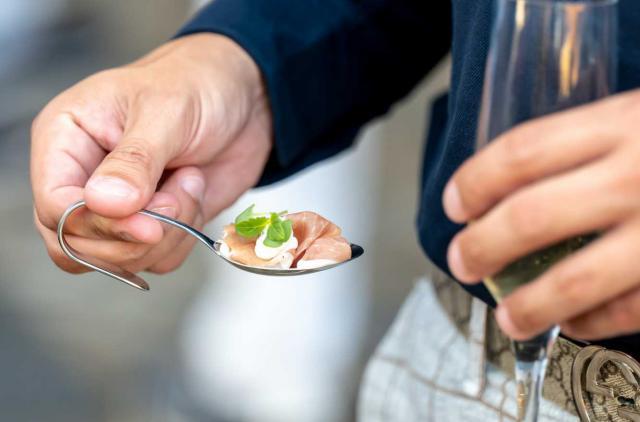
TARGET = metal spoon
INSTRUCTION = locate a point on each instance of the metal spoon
(136, 281)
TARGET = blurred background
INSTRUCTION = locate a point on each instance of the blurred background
(207, 343)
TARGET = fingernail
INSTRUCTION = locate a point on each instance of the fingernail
(112, 187)
(194, 186)
(170, 212)
(456, 263)
(506, 323)
(453, 203)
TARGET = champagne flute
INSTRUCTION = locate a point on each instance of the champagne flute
(545, 56)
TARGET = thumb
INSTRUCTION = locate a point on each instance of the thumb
(126, 179)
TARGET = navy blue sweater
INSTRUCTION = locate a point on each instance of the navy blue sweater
(330, 66)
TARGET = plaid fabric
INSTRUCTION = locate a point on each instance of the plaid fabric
(429, 368)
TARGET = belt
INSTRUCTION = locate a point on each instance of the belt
(591, 382)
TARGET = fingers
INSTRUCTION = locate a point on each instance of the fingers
(187, 185)
(172, 260)
(583, 201)
(602, 271)
(122, 253)
(67, 148)
(135, 228)
(529, 152)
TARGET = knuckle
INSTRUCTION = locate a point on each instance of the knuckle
(41, 224)
(45, 219)
(132, 155)
(472, 193)
(519, 148)
(474, 253)
(44, 118)
(630, 179)
(526, 218)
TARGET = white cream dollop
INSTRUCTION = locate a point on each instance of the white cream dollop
(267, 253)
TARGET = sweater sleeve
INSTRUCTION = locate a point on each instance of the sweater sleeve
(329, 66)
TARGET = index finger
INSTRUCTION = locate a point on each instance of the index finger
(531, 151)
(63, 156)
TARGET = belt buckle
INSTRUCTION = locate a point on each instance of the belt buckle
(605, 385)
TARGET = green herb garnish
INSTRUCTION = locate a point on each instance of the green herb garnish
(250, 225)
(252, 228)
(246, 215)
(279, 231)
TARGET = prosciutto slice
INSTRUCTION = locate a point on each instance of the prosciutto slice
(318, 238)
(324, 250)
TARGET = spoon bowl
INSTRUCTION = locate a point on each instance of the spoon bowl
(356, 252)
(138, 282)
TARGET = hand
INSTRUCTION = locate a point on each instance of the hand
(183, 131)
(551, 179)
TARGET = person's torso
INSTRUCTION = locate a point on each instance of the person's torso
(453, 127)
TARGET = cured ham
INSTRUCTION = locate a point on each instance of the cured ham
(313, 242)
(325, 251)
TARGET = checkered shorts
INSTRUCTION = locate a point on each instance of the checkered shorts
(426, 369)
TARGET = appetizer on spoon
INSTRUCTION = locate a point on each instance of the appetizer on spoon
(276, 244)
(302, 240)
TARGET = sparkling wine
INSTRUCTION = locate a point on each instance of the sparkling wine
(532, 266)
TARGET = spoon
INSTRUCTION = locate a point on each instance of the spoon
(138, 282)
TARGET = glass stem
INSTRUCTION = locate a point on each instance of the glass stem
(531, 366)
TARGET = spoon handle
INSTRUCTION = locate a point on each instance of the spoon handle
(206, 240)
(112, 270)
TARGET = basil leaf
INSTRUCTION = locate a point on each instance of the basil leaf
(272, 243)
(252, 227)
(288, 229)
(276, 231)
(245, 215)
(279, 232)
